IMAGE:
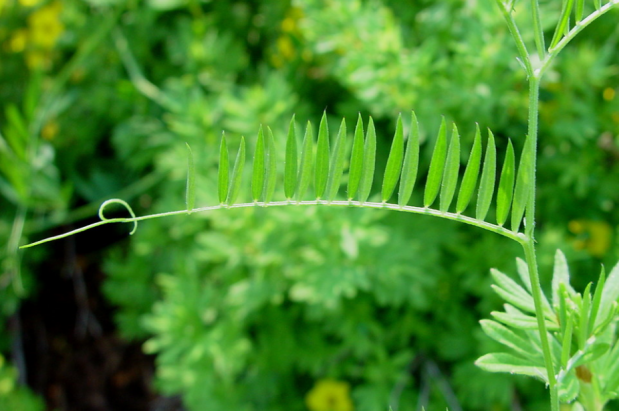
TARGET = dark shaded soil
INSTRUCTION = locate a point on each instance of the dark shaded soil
(66, 345)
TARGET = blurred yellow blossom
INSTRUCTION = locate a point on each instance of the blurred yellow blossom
(29, 3)
(18, 41)
(609, 94)
(44, 25)
(592, 236)
(49, 130)
(329, 395)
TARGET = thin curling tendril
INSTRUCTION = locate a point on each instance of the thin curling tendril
(124, 204)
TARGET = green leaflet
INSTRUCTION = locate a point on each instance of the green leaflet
(560, 276)
(470, 178)
(258, 169)
(290, 161)
(512, 292)
(410, 164)
(509, 338)
(394, 162)
(567, 332)
(368, 168)
(502, 362)
(596, 300)
(190, 191)
(435, 172)
(451, 171)
(583, 316)
(487, 182)
(579, 10)
(305, 166)
(563, 23)
(357, 159)
(222, 173)
(609, 297)
(522, 321)
(237, 174)
(321, 169)
(337, 162)
(506, 184)
(270, 181)
(523, 185)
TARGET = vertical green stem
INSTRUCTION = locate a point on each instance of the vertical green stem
(532, 265)
(529, 245)
(531, 146)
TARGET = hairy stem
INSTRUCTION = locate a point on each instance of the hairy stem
(529, 250)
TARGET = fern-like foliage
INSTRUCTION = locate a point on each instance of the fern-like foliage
(324, 167)
(321, 162)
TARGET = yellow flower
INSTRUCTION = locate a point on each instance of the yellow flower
(50, 129)
(592, 236)
(18, 41)
(45, 26)
(609, 94)
(29, 3)
(329, 395)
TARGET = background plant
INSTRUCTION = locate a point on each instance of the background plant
(150, 129)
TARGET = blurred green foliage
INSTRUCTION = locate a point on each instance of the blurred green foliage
(247, 309)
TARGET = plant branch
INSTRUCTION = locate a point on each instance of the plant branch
(410, 209)
(554, 51)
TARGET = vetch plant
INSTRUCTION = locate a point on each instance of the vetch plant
(570, 343)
